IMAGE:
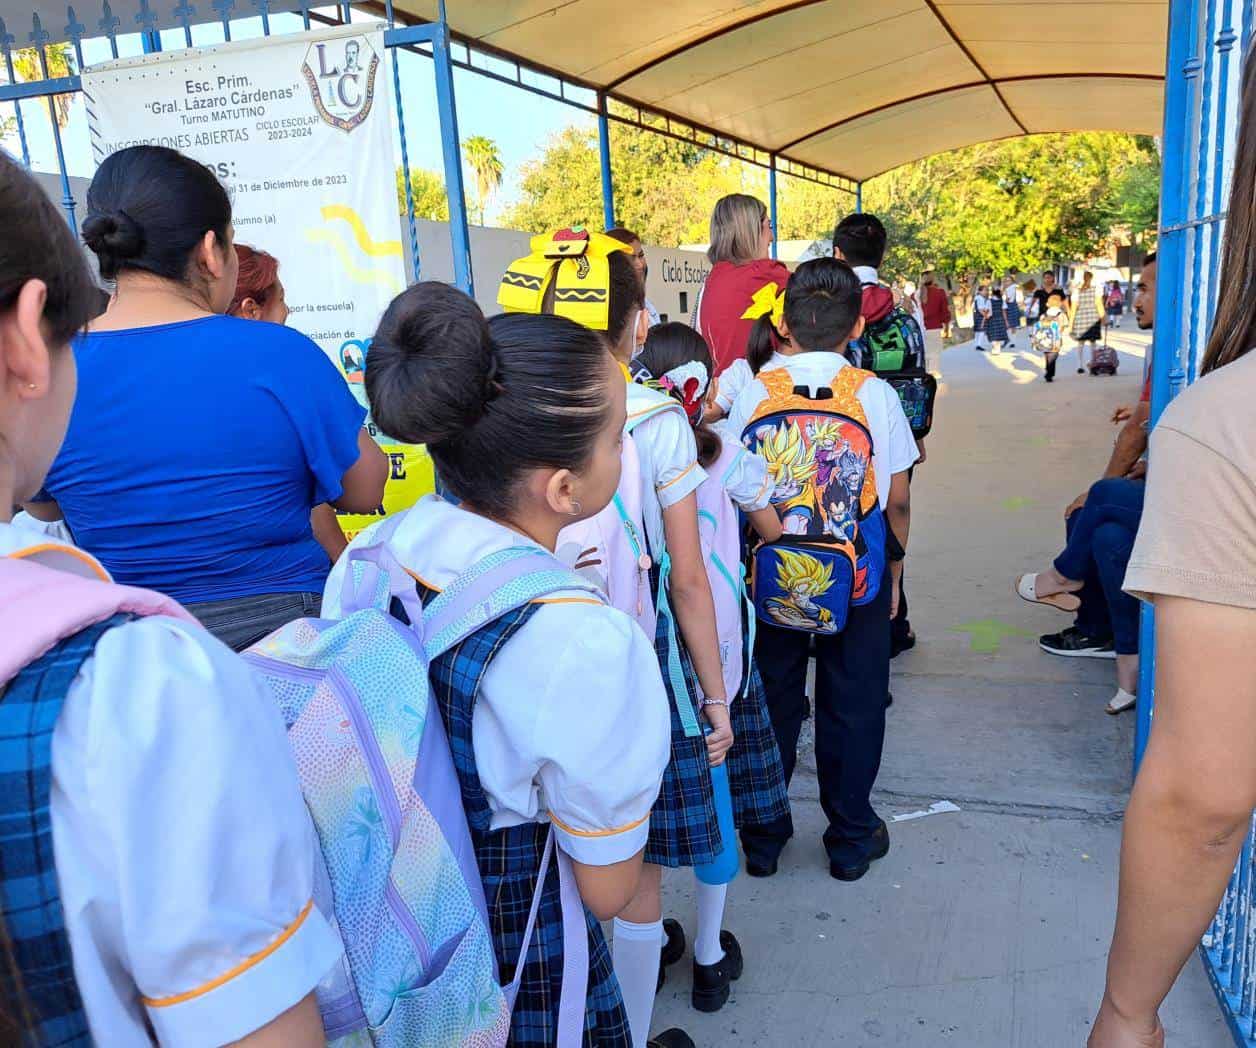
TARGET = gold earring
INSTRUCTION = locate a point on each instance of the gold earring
(31, 385)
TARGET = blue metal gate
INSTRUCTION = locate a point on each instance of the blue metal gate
(1207, 42)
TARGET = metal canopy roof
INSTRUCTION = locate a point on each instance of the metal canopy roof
(852, 86)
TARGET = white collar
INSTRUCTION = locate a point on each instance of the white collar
(29, 543)
(866, 274)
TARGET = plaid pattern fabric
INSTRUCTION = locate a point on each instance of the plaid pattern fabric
(754, 763)
(509, 861)
(684, 829)
(29, 892)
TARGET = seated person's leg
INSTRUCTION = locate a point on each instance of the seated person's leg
(1113, 499)
(1113, 544)
(1091, 633)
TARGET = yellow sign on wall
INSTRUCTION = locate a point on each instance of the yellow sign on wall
(410, 476)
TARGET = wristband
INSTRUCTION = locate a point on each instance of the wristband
(716, 702)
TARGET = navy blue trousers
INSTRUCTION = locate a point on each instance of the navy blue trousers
(852, 681)
(1100, 539)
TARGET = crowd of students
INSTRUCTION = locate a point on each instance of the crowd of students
(624, 702)
(160, 871)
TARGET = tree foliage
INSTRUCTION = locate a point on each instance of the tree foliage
(485, 161)
(428, 190)
(27, 68)
(1018, 204)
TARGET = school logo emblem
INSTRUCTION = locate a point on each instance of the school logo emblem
(341, 77)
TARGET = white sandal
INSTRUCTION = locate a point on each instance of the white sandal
(1027, 589)
(1120, 702)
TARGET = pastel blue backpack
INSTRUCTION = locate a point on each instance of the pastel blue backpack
(398, 879)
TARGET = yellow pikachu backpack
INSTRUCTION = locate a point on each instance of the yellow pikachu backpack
(819, 455)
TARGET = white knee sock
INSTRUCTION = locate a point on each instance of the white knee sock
(635, 954)
(706, 944)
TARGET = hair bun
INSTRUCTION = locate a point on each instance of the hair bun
(113, 235)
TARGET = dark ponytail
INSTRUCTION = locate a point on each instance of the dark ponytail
(669, 346)
(37, 245)
(763, 342)
(148, 207)
(490, 399)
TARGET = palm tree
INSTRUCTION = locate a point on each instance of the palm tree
(485, 161)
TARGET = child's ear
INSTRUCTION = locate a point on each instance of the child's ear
(857, 331)
(560, 493)
(782, 329)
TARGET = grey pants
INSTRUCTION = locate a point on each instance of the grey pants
(243, 621)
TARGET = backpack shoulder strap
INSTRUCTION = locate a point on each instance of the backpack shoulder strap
(778, 382)
(41, 606)
(500, 583)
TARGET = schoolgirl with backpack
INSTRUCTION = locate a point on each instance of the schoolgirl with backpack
(523, 416)
(645, 551)
(838, 448)
(676, 358)
(155, 854)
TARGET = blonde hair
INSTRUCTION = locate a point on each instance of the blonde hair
(736, 226)
(800, 571)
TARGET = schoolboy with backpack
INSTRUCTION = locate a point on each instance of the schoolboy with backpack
(892, 346)
(838, 447)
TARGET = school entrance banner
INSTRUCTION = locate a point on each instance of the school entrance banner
(299, 130)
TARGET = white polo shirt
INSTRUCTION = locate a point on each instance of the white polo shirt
(183, 846)
(893, 446)
(668, 452)
(571, 724)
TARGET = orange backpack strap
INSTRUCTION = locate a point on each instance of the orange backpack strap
(778, 382)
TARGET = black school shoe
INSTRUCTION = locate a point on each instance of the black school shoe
(711, 981)
(852, 872)
(673, 948)
(1075, 643)
(673, 1038)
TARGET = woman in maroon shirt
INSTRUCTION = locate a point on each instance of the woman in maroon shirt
(730, 300)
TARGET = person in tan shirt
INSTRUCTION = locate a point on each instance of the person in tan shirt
(1195, 559)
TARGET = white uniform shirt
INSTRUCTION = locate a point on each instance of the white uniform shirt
(745, 480)
(737, 376)
(893, 446)
(183, 847)
(571, 724)
(668, 452)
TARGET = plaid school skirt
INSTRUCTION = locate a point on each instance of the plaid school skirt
(684, 829)
(755, 774)
(508, 861)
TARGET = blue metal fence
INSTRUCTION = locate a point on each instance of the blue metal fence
(183, 25)
(1202, 72)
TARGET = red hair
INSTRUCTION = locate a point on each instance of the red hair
(259, 272)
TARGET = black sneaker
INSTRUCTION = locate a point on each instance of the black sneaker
(711, 981)
(1073, 643)
(673, 949)
(673, 1038)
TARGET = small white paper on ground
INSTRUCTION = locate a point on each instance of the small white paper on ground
(936, 808)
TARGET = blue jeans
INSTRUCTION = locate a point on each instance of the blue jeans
(1100, 539)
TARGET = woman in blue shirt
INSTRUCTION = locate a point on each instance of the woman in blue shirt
(201, 441)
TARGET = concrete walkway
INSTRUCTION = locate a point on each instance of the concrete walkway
(986, 928)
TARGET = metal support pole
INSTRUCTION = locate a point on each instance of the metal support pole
(604, 161)
(447, 109)
(859, 198)
(1182, 67)
(772, 200)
